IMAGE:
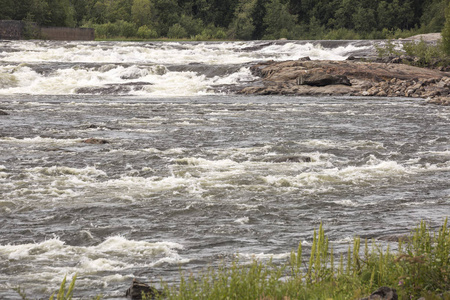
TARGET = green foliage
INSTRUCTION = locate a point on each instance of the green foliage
(192, 25)
(446, 32)
(62, 293)
(388, 49)
(177, 32)
(342, 34)
(144, 32)
(211, 32)
(141, 12)
(242, 19)
(278, 21)
(119, 28)
(242, 26)
(426, 54)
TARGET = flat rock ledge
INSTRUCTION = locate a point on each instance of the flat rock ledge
(349, 78)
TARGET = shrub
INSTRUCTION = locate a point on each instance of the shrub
(146, 33)
(176, 32)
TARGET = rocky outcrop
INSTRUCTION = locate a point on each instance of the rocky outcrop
(354, 78)
(138, 288)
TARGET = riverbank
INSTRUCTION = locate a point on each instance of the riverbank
(304, 77)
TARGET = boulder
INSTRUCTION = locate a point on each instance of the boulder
(383, 293)
(138, 288)
(3, 113)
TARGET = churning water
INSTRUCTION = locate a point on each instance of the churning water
(191, 177)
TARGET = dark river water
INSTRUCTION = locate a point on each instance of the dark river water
(188, 177)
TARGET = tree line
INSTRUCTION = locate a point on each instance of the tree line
(236, 19)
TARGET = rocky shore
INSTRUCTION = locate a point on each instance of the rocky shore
(350, 77)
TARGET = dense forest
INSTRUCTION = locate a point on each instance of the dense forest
(236, 19)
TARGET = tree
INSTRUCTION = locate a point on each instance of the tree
(446, 32)
(343, 14)
(7, 9)
(278, 20)
(141, 12)
(364, 19)
(165, 14)
(242, 26)
(40, 12)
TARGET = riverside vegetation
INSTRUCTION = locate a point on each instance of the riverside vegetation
(420, 267)
(236, 19)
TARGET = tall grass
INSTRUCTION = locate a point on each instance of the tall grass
(420, 267)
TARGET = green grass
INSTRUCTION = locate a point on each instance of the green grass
(420, 267)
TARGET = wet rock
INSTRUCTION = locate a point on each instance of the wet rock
(444, 101)
(3, 113)
(95, 141)
(138, 288)
(383, 293)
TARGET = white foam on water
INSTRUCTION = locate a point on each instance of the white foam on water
(365, 174)
(114, 254)
(263, 256)
(348, 203)
(148, 64)
(169, 52)
(40, 140)
(242, 221)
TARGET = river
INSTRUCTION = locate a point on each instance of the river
(191, 175)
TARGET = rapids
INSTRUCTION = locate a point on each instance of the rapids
(191, 177)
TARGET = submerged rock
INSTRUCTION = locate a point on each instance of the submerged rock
(113, 89)
(95, 141)
(138, 288)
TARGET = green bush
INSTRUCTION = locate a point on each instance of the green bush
(176, 31)
(144, 32)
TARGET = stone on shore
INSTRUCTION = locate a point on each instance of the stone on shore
(383, 293)
(138, 288)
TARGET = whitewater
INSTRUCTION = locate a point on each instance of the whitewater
(189, 174)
